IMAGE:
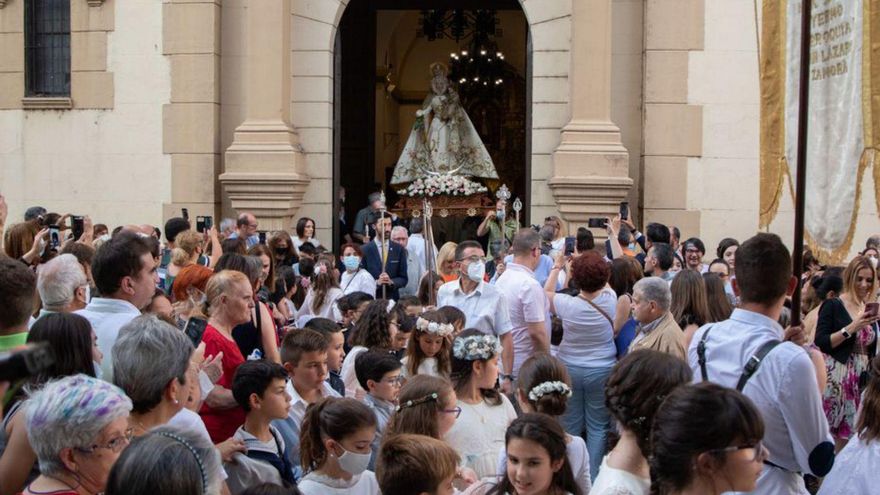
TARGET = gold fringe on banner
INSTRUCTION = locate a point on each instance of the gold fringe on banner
(774, 165)
(871, 87)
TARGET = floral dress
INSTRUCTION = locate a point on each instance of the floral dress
(842, 395)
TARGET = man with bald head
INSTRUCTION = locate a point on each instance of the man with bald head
(246, 228)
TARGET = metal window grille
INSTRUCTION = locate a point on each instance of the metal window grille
(47, 47)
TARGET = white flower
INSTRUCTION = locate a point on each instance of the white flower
(476, 347)
(545, 388)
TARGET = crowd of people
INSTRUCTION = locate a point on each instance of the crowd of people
(228, 360)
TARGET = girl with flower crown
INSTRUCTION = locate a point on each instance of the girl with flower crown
(323, 291)
(478, 435)
(543, 386)
(427, 352)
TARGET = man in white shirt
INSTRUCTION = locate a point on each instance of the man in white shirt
(784, 387)
(526, 302)
(125, 274)
(417, 244)
(62, 285)
(484, 305)
(414, 270)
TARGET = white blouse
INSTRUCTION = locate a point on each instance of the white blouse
(358, 281)
(298, 243)
(428, 366)
(320, 484)
(855, 469)
(326, 310)
(613, 481)
(478, 434)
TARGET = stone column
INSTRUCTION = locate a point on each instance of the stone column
(590, 165)
(264, 165)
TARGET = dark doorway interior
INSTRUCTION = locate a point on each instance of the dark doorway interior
(501, 119)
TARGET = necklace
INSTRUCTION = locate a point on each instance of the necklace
(473, 407)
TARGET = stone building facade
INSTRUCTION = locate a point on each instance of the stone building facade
(223, 106)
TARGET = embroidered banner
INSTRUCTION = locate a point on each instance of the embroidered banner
(844, 102)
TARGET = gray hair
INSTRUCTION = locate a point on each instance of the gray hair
(58, 280)
(654, 289)
(547, 232)
(399, 228)
(147, 355)
(144, 467)
(873, 242)
(416, 225)
(70, 413)
(524, 241)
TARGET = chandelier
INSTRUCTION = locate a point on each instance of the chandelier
(480, 66)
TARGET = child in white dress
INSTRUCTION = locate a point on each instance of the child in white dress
(478, 435)
(335, 448)
(427, 352)
(543, 387)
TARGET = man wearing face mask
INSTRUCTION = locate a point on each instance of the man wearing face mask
(483, 304)
(498, 224)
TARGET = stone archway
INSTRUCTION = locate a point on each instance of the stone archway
(280, 162)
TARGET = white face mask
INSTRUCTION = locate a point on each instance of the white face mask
(352, 462)
(475, 271)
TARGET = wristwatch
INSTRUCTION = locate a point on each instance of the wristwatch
(845, 334)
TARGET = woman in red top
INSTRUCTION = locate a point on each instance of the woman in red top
(229, 303)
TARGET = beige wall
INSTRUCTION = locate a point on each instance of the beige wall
(108, 163)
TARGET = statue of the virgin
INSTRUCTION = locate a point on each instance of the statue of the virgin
(443, 140)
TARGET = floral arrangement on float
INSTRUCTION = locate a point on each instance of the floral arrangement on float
(442, 185)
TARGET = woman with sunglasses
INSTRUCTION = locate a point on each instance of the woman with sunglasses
(78, 426)
(706, 440)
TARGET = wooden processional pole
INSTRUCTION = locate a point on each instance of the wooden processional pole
(801, 181)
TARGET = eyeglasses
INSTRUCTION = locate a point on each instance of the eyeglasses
(397, 380)
(115, 445)
(759, 450)
(455, 410)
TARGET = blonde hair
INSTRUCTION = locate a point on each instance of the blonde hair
(185, 245)
(220, 283)
(851, 273)
(446, 253)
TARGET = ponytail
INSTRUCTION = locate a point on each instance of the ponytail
(335, 418)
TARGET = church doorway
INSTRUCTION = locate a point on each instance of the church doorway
(383, 54)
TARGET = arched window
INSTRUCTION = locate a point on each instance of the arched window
(47, 47)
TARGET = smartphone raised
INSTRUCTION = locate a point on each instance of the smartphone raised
(597, 223)
(624, 210)
(185, 213)
(54, 237)
(262, 237)
(200, 224)
(195, 329)
(77, 224)
(569, 245)
(209, 222)
(871, 309)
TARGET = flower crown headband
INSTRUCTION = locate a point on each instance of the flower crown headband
(476, 347)
(441, 329)
(545, 388)
(415, 402)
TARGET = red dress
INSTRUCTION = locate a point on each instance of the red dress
(222, 423)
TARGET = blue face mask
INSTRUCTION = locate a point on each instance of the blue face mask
(631, 246)
(351, 263)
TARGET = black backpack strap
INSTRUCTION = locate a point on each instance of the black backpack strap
(701, 354)
(755, 362)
